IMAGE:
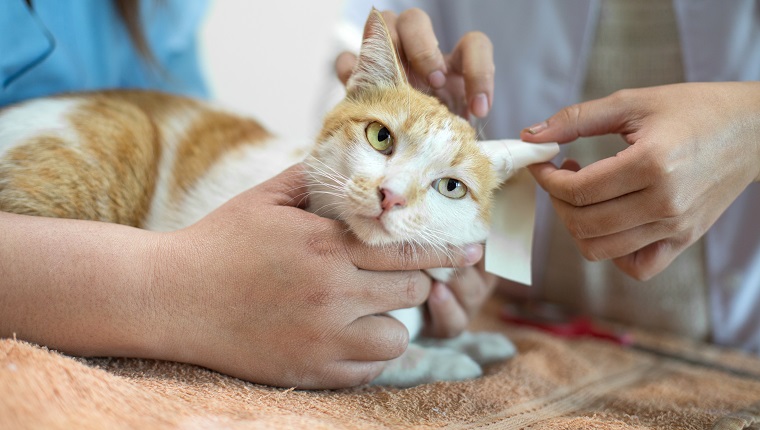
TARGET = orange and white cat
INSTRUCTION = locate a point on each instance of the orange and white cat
(391, 162)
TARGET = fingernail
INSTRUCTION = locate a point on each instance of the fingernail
(474, 253)
(479, 105)
(437, 79)
(537, 128)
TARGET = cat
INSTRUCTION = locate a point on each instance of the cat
(391, 162)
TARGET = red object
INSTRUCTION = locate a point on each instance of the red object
(556, 320)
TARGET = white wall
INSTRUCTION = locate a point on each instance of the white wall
(270, 59)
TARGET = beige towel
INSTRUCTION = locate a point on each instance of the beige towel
(552, 384)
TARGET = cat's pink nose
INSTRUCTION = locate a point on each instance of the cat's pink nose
(391, 199)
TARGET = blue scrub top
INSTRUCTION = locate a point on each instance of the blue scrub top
(62, 46)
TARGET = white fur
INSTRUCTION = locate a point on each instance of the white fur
(40, 117)
(237, 171)
(163, 211)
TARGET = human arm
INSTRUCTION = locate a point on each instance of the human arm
(258, 289)
(693, 149)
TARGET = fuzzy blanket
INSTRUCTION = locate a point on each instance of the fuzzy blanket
(552, 384)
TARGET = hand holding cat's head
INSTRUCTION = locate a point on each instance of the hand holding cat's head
(397, 166)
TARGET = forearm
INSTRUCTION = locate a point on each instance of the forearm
(81, 287)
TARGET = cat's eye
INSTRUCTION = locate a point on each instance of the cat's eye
(450, 187)
(380, 138)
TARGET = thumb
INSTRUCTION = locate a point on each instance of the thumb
(591, 118)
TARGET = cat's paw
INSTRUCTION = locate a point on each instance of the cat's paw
(483, 347)
(420, 365)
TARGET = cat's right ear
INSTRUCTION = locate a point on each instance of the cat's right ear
(378, 65)
(509, 155)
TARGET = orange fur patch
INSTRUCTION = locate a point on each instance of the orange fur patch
(107, 174)
(212, 135)
(110, 170)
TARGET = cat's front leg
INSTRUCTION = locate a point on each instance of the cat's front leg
(423, 365)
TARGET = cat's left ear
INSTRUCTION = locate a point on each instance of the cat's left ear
(378, 65)
(509, 155)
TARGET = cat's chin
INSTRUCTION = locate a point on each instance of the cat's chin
(371, 230)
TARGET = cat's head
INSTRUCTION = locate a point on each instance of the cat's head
(395, 164)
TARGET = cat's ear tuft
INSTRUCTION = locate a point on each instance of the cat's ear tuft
(509, 155)
(378, 65)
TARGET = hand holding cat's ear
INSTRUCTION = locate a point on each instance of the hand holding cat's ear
(463, 79)
(688, 161)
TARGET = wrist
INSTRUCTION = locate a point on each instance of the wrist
(175, 307)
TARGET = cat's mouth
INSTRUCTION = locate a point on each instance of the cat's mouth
(371, 229)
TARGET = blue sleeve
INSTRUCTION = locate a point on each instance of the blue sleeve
(63, 46)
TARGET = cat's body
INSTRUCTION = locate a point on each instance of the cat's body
(391, 162)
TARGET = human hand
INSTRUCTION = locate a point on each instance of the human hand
(694, 148)
(265, 291)
(452, 306)
(462, 79)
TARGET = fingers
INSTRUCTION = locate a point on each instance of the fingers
(473, 59)
(340, 374)
(390, 19)
(344, 66)
(612, 216)
(379, 292)
(616, 113)
(650, 260)
(447, 316)
(451, 307)
(420, 46)
(374, 338)
(601, 181)
(408, 257)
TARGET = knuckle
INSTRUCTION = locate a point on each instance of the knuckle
(416, 294)
(424, 56)
(623, 97)
(673, 208)
(576, 227)
(480, 75)
(572, 114)
(577, 195)
(657, 167)
(591, 251)
(678, 224)
(324, 246)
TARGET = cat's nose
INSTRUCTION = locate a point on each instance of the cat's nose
(391, 199)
